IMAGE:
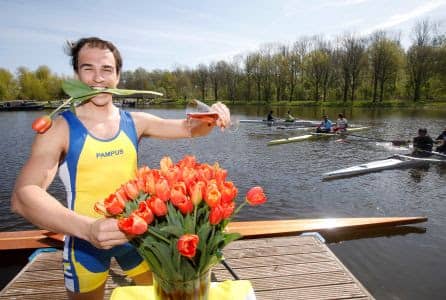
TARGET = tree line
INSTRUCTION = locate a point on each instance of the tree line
(348, 68)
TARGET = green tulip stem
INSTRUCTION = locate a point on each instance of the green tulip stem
(60, 106)
(240, 207)
(195, 216)
(158, 235)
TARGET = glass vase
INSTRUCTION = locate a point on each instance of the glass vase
(195, 289)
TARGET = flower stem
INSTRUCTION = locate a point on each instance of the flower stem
(238, 208)
(158, 235)
(60, 106)
(195, 217)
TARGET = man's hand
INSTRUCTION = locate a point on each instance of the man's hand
(105, 234)
(224, 120)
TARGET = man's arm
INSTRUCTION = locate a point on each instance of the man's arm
(31, 200)
(150, 125)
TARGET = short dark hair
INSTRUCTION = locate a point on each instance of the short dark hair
(422, 130)
(73, 49)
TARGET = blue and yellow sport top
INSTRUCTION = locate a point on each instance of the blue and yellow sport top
(94, 168)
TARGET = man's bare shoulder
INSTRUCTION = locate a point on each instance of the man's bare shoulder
(55, 139)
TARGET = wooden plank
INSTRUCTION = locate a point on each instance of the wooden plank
(267, 228)
(248, 229)
(30, 239)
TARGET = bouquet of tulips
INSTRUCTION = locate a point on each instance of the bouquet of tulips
(177, 215)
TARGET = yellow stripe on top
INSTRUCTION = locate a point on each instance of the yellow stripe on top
(103, 166)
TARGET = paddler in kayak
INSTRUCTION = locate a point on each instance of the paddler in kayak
(270, 117)
(422, 144)
(325, 126)
(441, 139)
(341, 124)
(289, 117)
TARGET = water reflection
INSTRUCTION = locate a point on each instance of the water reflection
(337, 236)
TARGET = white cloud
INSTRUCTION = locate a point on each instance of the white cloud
(401, 18)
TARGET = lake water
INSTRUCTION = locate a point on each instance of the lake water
(404, 263)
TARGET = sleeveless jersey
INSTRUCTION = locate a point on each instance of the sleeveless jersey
(94, 168)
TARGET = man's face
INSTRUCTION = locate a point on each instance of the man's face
(97, 68)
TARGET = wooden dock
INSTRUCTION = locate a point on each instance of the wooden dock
(292, 267)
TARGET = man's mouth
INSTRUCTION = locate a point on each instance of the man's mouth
(98, 87)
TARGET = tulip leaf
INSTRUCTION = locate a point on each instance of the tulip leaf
(81, 92)
(76, 88)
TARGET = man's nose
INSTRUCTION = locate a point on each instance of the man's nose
(98, 76)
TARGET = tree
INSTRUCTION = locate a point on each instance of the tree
(8, 85)
(385, 56)
(420, 60)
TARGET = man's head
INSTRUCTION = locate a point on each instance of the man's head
(74, 48)
(422, 131)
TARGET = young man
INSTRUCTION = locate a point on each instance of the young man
(422, 144)
(289, 117)
(95, 151)
(325, 125)
(341, 124)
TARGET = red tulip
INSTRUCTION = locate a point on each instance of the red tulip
(216, 215)
(228, 192)
(162, 189)
(133, 225)
(227, 209)
(187, 245)
(186, 207)
(42, 124)
(255, 196)
(114, 205)
(145, 212)
(158, 206)
(131, 189)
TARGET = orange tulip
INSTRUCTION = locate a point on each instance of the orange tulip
(188, 161)
(186, 207)
(145, 212)
(227, 209)
(133, 225)
(114, 205)
(213, 197)
(197, 192)
(255, 196)
(165, 164)
(216, 215)
(158, 206)
(187, 245)
(228, 192)
(131, 189)
(177, 195)
(162, 190)
(42, 124)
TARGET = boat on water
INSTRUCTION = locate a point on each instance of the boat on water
(281, 122)
(17, 105)
(312, 135)
(396, 161)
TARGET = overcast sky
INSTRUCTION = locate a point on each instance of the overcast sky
(165, 34)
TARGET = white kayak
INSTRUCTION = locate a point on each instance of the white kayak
(290, 140)
(307, 123)
(396, 161)
(312, 135)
